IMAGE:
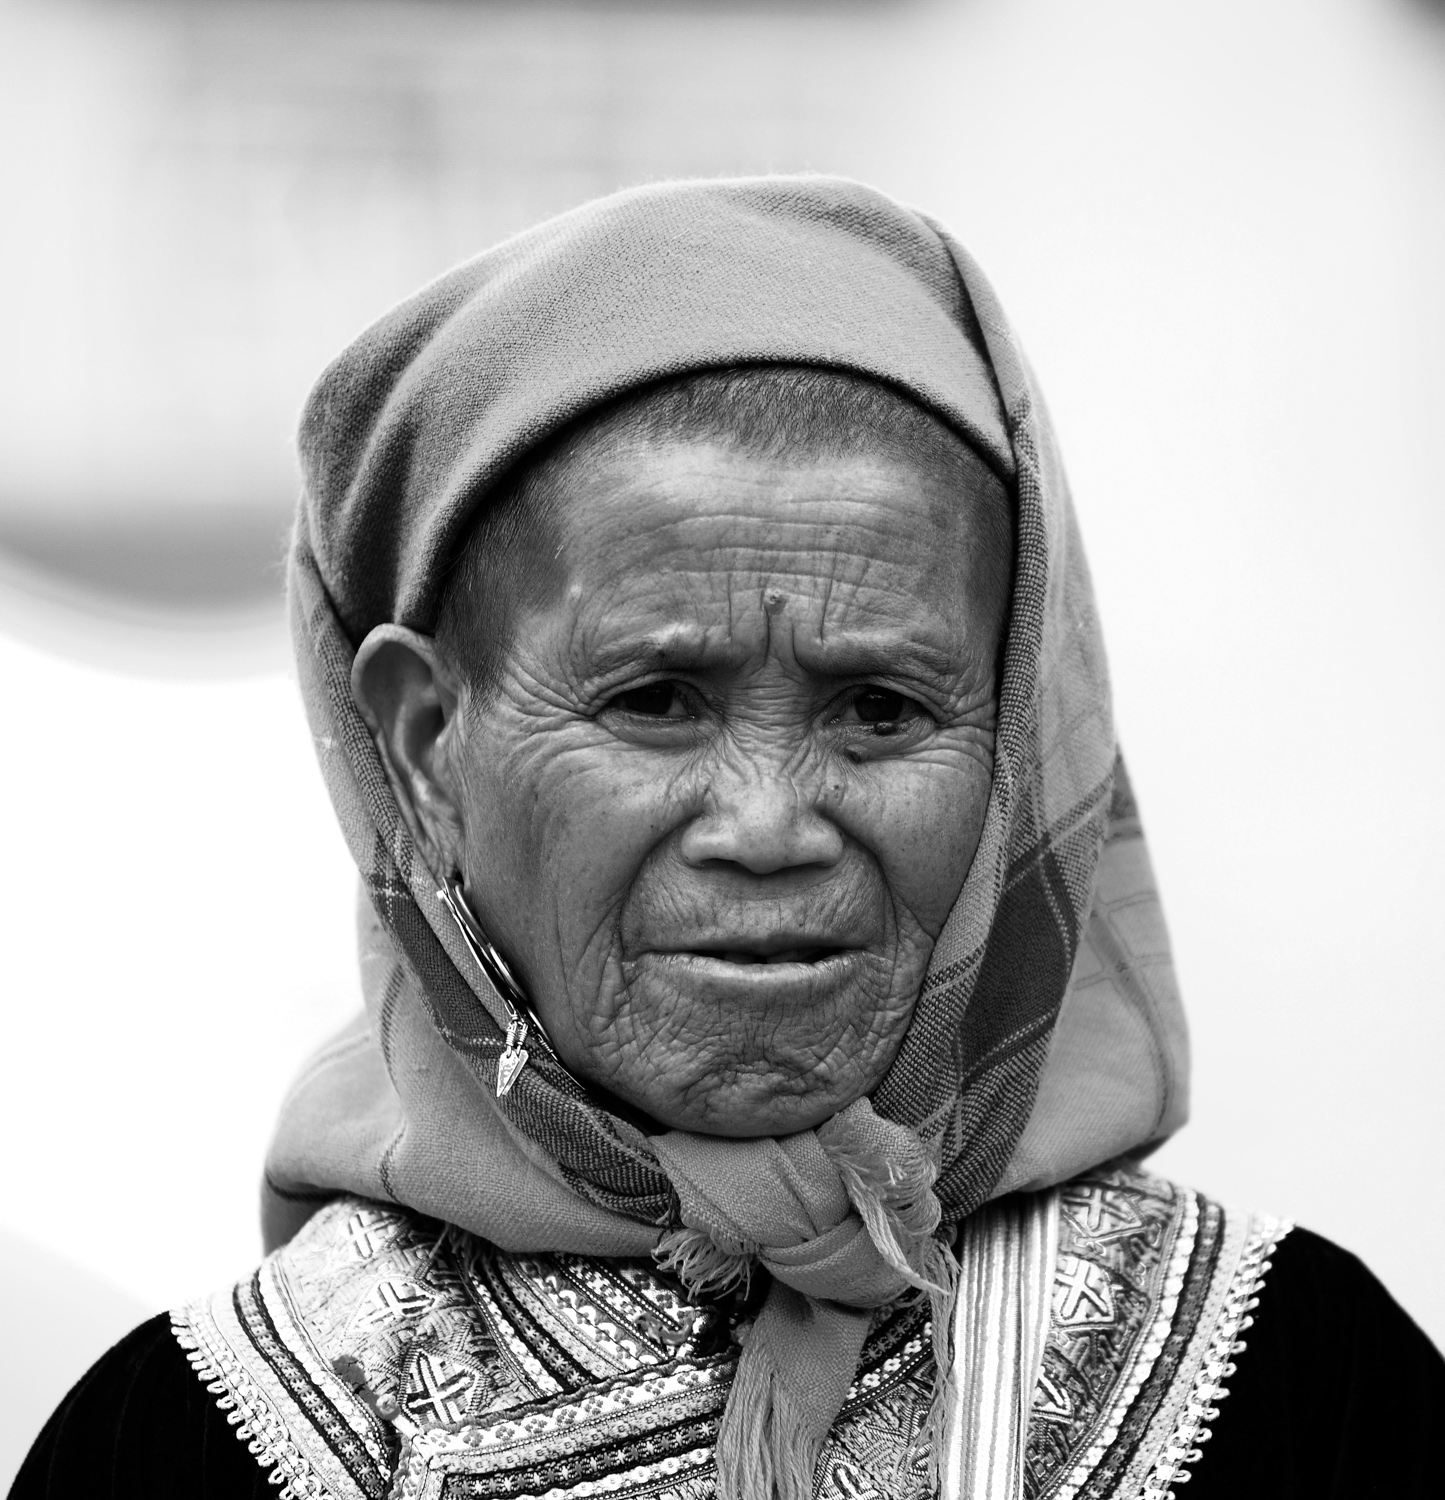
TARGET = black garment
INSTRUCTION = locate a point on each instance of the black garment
(140, 1423)
(1338, 1396)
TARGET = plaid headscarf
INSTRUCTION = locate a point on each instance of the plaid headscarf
(1047, 1035)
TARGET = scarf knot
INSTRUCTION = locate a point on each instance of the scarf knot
(843, 1220)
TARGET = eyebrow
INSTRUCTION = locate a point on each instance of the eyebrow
(857, 656)
(879, 656)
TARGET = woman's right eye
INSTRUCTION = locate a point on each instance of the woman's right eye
(658, 700)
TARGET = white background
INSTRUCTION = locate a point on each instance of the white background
(1220, 230)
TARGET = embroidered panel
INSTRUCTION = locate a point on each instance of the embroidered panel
(646, 1437)
(877, 1449)
(299, 1418)
(384, 1302)
(1150, 1280)
(1124, 1242)
(383, 1354)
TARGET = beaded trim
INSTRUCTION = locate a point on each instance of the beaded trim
(248, 1411)
(1193, 1429)
(1154, 1284)
(648, 1436)
(299, 1417)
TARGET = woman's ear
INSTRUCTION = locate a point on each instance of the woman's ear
(409, 698)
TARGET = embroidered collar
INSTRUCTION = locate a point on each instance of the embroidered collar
(380, 1352)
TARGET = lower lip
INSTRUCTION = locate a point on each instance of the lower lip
(775, 982)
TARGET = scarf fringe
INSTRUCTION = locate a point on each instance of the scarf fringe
(764, 1448)
(945, 1272)
(895, 1200)
(706, 1264)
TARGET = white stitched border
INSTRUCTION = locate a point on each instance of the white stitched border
(247, 1409)
(1192, 1429)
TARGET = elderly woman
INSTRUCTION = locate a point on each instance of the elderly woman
(768, 1002)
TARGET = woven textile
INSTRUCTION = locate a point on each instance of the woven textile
(379, 1353)
(1047, 1035)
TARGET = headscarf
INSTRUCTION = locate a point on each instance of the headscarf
(1047, 1035)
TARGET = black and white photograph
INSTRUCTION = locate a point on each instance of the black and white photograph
(724, 749)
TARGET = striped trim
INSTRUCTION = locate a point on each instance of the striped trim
(1001, 1320)
(1181, 1449)
(295, 1416)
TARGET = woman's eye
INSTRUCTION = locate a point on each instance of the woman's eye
(881, 708)
(658, 700)
(875, 705)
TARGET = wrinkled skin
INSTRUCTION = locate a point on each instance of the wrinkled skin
(730, 780)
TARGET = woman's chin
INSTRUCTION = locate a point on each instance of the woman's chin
(741, 1114)
(746, 1101)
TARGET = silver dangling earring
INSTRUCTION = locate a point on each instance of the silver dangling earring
(520, 1018)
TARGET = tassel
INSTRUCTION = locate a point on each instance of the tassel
(945, 1273)
(794, 1370)
(895, 1199)
(764, 1448)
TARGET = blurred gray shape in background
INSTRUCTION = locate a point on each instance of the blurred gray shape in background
(206, 201)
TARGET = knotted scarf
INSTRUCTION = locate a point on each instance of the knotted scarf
(842, 1218)
(1047, 1035)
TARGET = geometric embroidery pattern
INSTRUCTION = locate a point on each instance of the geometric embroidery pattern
(381, 1353)
(1150, 1281)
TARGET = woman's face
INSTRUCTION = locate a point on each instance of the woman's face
(732, 776)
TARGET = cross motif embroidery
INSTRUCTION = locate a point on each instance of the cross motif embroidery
(1080, 1286)
(398, 1301)
(436, 1393)
(1100, 1214)
(364, 1231)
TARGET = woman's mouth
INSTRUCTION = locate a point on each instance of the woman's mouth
(800, 973)
(800, 955)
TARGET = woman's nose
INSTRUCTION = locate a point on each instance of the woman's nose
(763, 819)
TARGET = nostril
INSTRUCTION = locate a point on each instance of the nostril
(763, 829)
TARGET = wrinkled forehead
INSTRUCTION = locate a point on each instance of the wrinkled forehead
(688, 530)
(708, 500)
(694, 533)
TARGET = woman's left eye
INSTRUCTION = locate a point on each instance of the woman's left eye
(658, 700)
(880, 708)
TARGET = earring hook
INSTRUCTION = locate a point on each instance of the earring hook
(520, 1017)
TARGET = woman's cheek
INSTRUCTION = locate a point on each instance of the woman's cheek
(601, 825)
(923, 823)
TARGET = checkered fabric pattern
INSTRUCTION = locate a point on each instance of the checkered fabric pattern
(1045, 1039)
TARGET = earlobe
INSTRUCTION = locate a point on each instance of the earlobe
(408, 698)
